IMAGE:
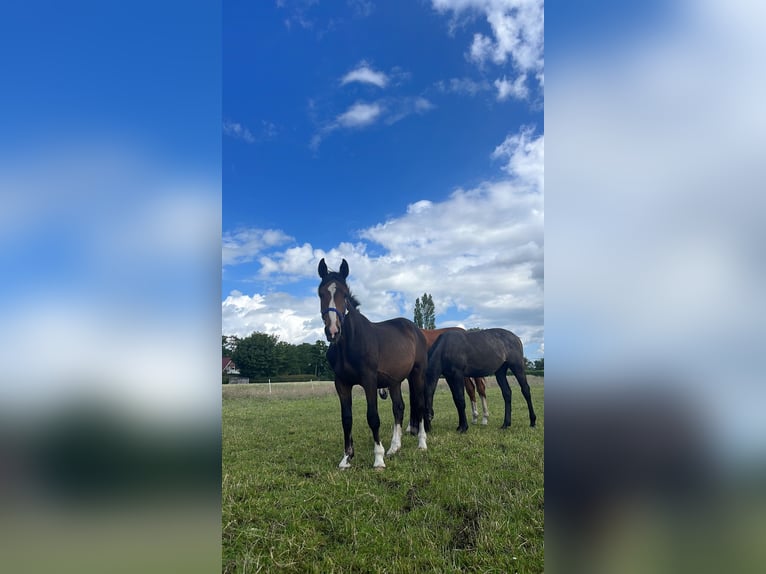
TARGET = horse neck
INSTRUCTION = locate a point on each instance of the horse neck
(434, 362)
(354, 326)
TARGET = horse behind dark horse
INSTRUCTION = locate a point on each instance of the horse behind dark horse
(372, 355)
(459, 354)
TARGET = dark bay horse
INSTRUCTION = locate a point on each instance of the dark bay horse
(472, 384)
(457, 355)
(372, 355)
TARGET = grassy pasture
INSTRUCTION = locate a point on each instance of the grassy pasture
(470, 503)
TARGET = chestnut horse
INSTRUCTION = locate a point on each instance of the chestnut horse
(372, 355)
(460, 354)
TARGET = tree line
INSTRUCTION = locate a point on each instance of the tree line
(262, 356)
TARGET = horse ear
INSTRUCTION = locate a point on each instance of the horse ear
(322, 268)
(344, 269)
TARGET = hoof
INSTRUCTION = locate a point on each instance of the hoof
(484, 421)
(505, 426)
(462, 429)
(475, 420)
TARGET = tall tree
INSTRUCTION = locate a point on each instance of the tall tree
(429, 312)
(418, 318)
(425, 313)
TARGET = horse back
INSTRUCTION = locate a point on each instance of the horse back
(401, 347)
(474, 353)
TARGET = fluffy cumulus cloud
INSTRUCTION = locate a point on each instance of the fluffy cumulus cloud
(516, 88)
(525, 156)
(516, 40)
(289, 318)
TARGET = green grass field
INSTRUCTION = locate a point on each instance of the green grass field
(470, 503)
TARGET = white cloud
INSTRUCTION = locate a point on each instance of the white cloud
(238, 131)
(517, 32)
(479, 251)
(526, 156)
(244, 245)
(359, 115)
(289, 318)
(364, 74)
(465, 86)
(517, 88)
(362, 115)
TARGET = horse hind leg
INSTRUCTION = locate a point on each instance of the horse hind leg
(397, 406)
(373, 420)
(457, 386)
(481, 388)
(517, 368)
(502, 381)
(471, 390)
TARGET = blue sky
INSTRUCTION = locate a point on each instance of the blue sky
(406, 137)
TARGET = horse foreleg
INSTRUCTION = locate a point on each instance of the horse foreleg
(346, 415)
(422, 444)
(418, 411)
(373, 419)
(397, 406)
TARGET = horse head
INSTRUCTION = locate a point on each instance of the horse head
(335, 299)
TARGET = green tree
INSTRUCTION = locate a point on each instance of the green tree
(228, 345)
(429, 312)
(418, 315)
(257, 355)
(425, 312)
(540, 364)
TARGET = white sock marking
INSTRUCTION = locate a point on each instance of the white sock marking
(396, 440)
(422, 437)
(378, 450)
(485, 418)
(344, 463)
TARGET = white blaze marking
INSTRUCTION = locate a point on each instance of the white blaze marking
(333, 316)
